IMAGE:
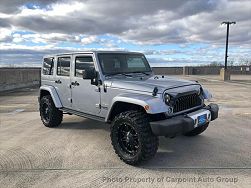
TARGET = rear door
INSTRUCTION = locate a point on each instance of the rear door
(63, 80)
(85, 96)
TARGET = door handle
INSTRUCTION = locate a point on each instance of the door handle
(75, 83)
(58, 82)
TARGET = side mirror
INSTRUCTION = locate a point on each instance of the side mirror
(89, 73)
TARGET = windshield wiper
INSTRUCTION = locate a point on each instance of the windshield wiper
(118, 73)
(129, 74)
(145, 73)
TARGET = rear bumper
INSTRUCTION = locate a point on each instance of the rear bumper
(183, 123)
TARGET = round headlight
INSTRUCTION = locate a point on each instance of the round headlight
(167, 98)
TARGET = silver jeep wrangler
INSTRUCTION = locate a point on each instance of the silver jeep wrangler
(120, 88)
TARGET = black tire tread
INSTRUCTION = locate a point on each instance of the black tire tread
(56, 115)
(150, 142)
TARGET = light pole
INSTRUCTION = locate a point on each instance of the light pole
(227, 23)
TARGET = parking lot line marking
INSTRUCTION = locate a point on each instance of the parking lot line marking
(120, 168)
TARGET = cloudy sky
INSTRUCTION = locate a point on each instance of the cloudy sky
(169, 32)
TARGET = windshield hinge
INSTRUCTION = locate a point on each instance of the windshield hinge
(155, 91)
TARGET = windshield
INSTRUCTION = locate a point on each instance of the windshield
(116, 63)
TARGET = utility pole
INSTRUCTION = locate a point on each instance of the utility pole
(227, 23)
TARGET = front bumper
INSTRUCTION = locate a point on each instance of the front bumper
(183, 123)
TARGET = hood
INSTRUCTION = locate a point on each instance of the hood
(147, 84)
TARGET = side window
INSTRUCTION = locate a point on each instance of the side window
(48, 66)
(83, 63)
(63, 66)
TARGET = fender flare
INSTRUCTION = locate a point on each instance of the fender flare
(53, 93)
(156, 104)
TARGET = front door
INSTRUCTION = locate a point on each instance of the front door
(63, 80)
(85, 96)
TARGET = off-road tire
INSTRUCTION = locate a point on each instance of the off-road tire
(147, 141)
(197, 130)
(55, 116)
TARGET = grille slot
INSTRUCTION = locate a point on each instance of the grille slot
(186, 102)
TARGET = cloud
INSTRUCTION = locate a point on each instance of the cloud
(12, 6)
(89, 40)
(17, 54)
(50, 38)
(5, 35)
(145, 24)
(142, 22)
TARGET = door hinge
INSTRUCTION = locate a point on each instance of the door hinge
(98, 89)
(105, 88)
(98, 106)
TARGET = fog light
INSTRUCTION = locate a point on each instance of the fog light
(209, 116)
(170, 110)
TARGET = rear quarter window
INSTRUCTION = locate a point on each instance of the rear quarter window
(48, 66)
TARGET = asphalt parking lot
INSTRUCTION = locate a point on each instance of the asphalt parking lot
(79, 152)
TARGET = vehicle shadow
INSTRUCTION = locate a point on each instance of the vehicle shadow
(87, 124)
(181, 152)
(186, 152)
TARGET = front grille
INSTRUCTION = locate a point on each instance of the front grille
(186, 102)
